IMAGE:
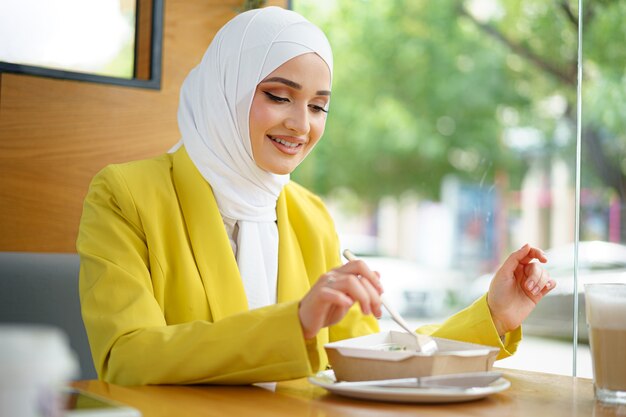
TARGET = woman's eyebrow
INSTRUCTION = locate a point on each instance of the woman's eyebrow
(292, 84)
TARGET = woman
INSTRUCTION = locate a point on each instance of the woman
(206, 265)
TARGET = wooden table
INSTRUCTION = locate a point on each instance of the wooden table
(531, 394)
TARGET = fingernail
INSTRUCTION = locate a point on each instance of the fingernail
(530, 285)
(536, 290)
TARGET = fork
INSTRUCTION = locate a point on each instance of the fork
(424, 343)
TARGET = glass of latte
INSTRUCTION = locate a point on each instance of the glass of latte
(605, 306)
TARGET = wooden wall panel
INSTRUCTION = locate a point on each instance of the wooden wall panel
(56, 134)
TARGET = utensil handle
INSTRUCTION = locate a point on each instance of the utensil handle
(424, 343)
(394, 314)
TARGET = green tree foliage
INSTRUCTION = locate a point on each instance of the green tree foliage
(604, 102)
(423, 89)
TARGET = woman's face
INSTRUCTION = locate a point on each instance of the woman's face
(288, 113)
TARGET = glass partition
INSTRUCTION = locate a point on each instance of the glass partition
(602, 246)
(452, 140)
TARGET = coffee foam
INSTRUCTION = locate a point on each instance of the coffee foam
(606, 307)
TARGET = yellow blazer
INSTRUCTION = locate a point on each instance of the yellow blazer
(162, 298)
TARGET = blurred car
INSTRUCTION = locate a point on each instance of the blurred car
(413, 289)
(598, 262)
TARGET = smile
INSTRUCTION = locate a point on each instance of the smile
(284, 142)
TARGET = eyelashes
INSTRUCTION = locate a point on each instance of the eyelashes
(276, 98)
(318, 108)
(279, 99)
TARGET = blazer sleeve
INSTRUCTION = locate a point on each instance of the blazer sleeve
(474, 325)
(130, 338)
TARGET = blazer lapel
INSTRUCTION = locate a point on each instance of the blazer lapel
(293, 281)
(212, 251)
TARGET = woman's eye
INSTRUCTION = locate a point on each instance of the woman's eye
(276, 98)
(317, 108)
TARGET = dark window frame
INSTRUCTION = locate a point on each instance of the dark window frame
(156, 47)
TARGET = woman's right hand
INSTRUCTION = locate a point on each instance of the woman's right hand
(330, 298)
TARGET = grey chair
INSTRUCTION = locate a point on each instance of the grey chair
(42, 288)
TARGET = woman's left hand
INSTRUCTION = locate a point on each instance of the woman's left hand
(517, 287)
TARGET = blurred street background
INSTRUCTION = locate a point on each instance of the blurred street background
(452, 140)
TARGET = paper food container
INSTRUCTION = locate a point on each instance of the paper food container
(381, 356)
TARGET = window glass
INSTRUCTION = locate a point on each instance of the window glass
(95, 36)
(602, 248)
(451, 141)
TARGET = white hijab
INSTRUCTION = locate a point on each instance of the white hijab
(213, 117)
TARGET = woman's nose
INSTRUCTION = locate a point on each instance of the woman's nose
(298, 120)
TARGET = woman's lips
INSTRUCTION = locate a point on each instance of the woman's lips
(285, 146)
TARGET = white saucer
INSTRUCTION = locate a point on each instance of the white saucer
(326, 380)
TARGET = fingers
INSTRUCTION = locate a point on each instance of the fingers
(527, 253)
(517, 287)
(549, 287)
(329, 296)
(359, 268)
(321, 307)
(537, 280)
(358, 288)
(370, 280)
(375, 300)
(524, 256)
(328, 301)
